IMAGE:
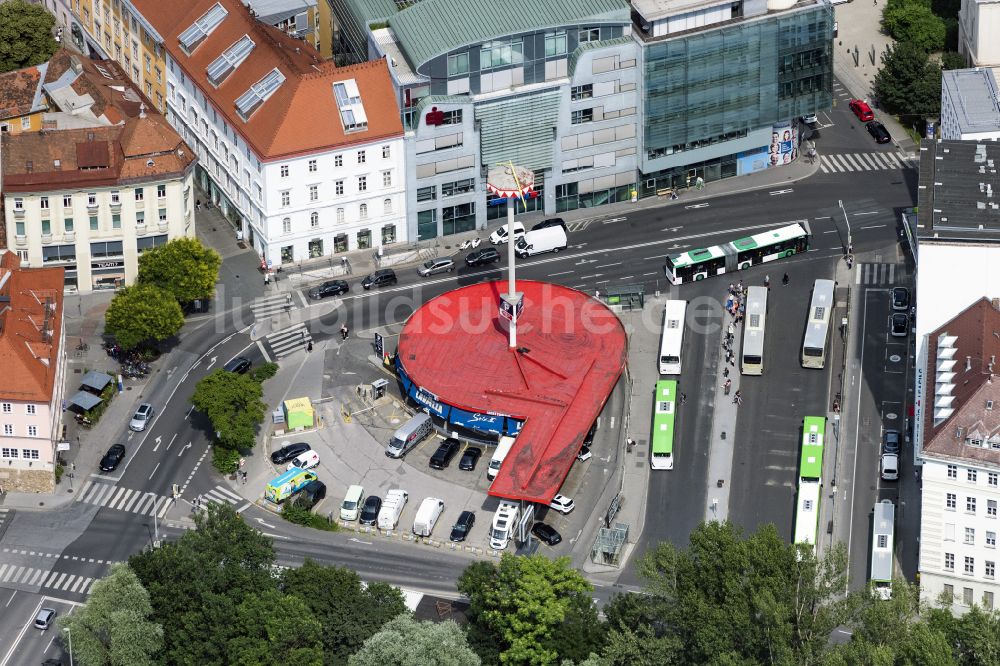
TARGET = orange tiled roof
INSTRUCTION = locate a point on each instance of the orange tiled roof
(18, 90)
(114, 95)
(30, 327)
(301, 116)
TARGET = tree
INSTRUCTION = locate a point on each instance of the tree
(197, 584)
(526, 602)
(183, 267)
(404, 641)
(913, 22)
(143, 313)
(272, 628)
(25, 35)
(233, 404)
(114, 628)
(908, 84)
(347, 610)
(953, 60)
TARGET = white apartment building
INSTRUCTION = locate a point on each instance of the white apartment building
(304, 158)
(978, 27)
(970, 104)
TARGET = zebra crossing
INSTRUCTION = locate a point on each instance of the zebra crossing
(268, 306)
(288, 341)
(145, 503)
(220, 495)
(861, 162)
(875, 274)
(62, 581)
(6, 515)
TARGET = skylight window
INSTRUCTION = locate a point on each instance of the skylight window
(352, 111)
(202, 28)
(230, 59)
(249, 101)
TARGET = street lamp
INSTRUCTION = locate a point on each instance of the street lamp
(850, 243)
(70, 634)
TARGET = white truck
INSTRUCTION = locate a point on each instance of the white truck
(504, 522)
(549, 239)
(392, 507)
(503, 448)
(427, 516)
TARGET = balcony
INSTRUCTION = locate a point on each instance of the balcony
(46, 239)
(18, 212)
(21, 240)
(116, 205)
(163, 225)
(69, 236)
(140, 229)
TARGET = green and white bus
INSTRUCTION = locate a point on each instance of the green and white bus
(817, 333)
(883, 536)
(738, 254)
(661, 454)
(810, 482)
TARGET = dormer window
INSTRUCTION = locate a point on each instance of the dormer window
(230, 59)
(352, 111)
(202, 28)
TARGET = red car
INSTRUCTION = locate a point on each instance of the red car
(862, 110)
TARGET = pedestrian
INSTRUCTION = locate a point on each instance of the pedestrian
(784, 280)
(731, 289)
(725, 387)
(197, 204)
(684, 398)
(309, 347)
(597, 294)
(725, 372)
(767, 281)
(738, 398)
(343, 332)
(739, 288)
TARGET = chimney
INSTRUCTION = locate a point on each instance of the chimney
(968, 363)
(995, 302)
(142, 110)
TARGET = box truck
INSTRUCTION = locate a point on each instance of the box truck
(549, 239)
(503, 448)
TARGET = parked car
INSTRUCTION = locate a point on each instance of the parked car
(900, 299)
(289, 451)
(889, 466)
(445, 452)
(900, 325)
(141, 417)
(584, 454)
(113, 458)
(239, 365)
(588, 439)
(890, 441)
(435, 266)
(311, 495)
(546, 533)
(878, 130)
(465, 521)
(562, 504)
(305, 460)
(809, 120)
(352, 503)
(329, 288)
(44, 618)
(370, 509)
(469, 458)
(486, 255)
(551, 222)
(380, 278)
(499, 236)
(861, 110)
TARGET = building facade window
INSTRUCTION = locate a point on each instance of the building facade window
(388, 234)
(991, 539)
(161, 191)
(140, 193)
(7, 408)
(284, 171)
(115, 197)
(970, 475)
(339, 187)
(386, 152)
(68, 224)
(590, 35)
(970, 535)
(314, 193)
(427, 193)
(338, 160)
(458, 187)
(970, 504)
(361, 157)
(970, 565)
(458, 219)
(286, 199)
(582, 116)
(67, 201)
(340, 215)
(991, 479)
(577, 93)
(458, 64)
(32, 431)
(949, 561)
(362, 183)
(386, 179)
(991, 508)
(314, 219)
(116, 221)
(555, 43)
(363, 211)
(91, 200)
(93, 223)
(286, 225)
(312, 166)
(364, 239)
(387, 206)
(46, 228)
(951, 501)
(952, 471)
(990, 569)
(43, 202)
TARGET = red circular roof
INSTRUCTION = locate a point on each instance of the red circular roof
(571, 350)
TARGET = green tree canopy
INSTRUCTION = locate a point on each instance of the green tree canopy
(908, 85)
(913, 22)
(404, 641)
(527, 603)
(233, 404)
(25, 35)
(272, 628)
(197, 584)
(114, 628)
(348, 610)
(142, 313)
(183, 267)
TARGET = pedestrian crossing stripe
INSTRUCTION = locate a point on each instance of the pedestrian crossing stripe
(267, 306)
(289, 340)
(12, 574)
(839, 163)
(144, 503)
(220, 495)
(875, 274)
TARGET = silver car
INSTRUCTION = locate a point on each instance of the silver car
(141, 417)
(434, 266)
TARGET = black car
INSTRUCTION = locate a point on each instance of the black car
(370, 509)
(239, 365)
(289, 451)
(329, 288)
(311, 495)
(890, 441)
(469, 458)
(588, 440)
(465, 521)
(551, 222)
(380, 278)
(486, 255)
(113, 458)
(445, 453)
(900, 325)
(878, 130)
(900, 299)
(546, 533)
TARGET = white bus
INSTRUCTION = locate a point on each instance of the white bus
(883, 535)
(818, 325)
(753, 331)
(673, 337)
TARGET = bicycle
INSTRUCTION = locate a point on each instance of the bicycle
(83, 346)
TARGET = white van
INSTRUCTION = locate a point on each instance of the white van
(392, 508)
(352, 503)
(305, 460)
(427, 516)
(504, 521)
(549, 239)
(499, 236)
(409, 435)
(503, 448)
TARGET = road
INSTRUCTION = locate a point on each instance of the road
(627, 249)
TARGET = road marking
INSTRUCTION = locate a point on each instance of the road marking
(619, 263)
(11, 597)
(701, 205)
(867, 212)
(776, 192)
(185, 416)
(587, 277)
(183, 449)
(614, 219)
(653, 273)
(875, 226)
(154, 469)
(831, 231)
(209, 366)
(170, 443)
(563, 273)
(263, 352)
(157, 440)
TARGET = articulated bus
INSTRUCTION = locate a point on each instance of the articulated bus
(753, 331)
(883, 534)
(662, 450)
(673, 337)
(738, 254)
(810, 482)
(818, 325)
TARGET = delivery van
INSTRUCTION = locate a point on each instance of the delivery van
(353, 500)
(305, 460)
(504, 521)
(409, 435)
(392, 508)
(503, 448)
(289, 483)
(427, 516)
(549, 239)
